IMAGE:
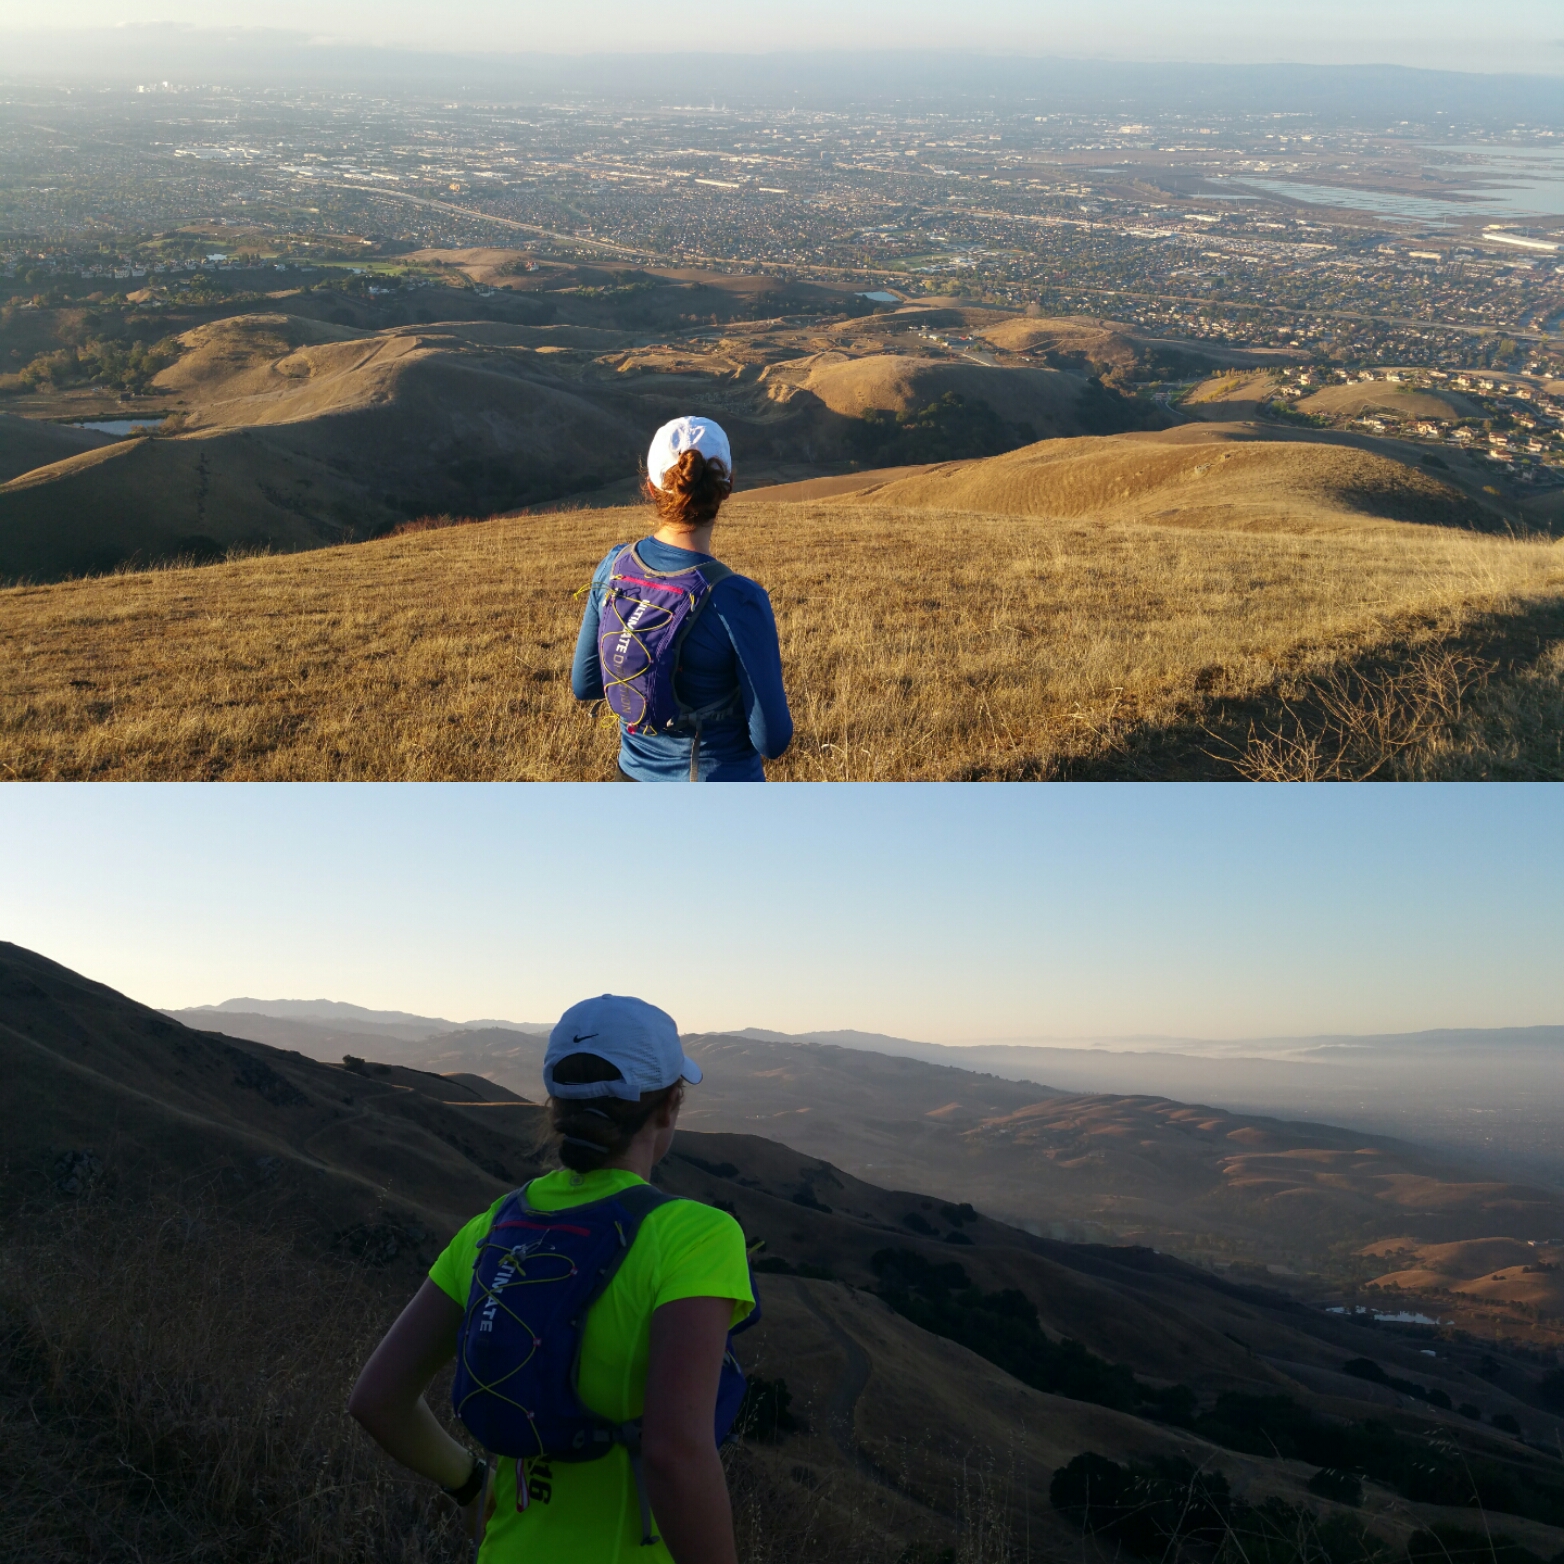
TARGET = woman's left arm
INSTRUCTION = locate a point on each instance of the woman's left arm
(684, 1476)
(752, 628)
(389, 1396)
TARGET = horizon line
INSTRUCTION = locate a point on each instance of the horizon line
(324, 44)
(1069, 1043)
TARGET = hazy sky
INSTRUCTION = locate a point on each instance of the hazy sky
(945, 913)
(1525, 35)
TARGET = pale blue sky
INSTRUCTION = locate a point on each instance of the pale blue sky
(945, 913)
(1525, 35)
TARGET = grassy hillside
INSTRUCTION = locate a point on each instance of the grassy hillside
(1217, 477)
(1135, 614)
(204, 1237)
(27, 443)
(1380, 397)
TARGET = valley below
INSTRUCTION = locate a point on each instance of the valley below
(1338, 1215)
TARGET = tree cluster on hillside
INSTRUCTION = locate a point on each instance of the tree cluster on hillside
(123, 366)
(1004, 1328)
(1428, 1470)
(949, 428)
(1167, 1508)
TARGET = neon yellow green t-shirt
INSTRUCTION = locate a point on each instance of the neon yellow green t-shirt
(587, 1512)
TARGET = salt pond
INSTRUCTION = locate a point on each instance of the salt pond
(1495, 182)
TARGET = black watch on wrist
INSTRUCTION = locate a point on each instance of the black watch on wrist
(470, 1489)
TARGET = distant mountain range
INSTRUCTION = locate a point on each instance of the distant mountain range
(1497, 1095)
(341, 1014)
(1093, 1143)
(791, 80)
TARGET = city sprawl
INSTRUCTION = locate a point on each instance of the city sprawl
(1350, 248)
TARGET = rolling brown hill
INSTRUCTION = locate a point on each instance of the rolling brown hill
(118, 1109)
(1112, 349)
(26, 443)
(297, 433)
(1221, 476)
(1045, 402)
(291, 432)
(1476, 1280)
(1381, 397)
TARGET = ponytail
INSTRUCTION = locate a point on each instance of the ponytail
(692, 490)
(586, 1133)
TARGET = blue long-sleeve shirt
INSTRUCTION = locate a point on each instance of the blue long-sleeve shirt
(731, 646)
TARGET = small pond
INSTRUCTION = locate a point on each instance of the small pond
(122, 426)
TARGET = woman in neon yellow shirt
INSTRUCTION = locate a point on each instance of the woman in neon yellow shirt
(652, 1346)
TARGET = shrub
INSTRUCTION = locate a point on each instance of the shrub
(764, 1413)
(1148, 1507)
(1550, 1390)
(1330, 1482)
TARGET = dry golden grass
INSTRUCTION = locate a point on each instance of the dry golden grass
(173, 1382)
(1047, 399)
(173, 1385)
(1201, 476)
(1378, 396)
(917, 643)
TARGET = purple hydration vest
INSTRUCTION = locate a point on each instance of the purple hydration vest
(644, 618)
(535, 1277)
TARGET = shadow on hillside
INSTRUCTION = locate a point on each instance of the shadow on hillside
(1366, 719)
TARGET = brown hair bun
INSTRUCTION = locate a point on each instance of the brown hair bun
(692, 491)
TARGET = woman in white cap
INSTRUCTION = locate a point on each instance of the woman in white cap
(684, 650)
(648, 1361)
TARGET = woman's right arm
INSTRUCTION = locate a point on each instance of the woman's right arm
(389, 1396)
(684, 1477)
(586, 670)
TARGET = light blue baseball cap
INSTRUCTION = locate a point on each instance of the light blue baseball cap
(640, 1039)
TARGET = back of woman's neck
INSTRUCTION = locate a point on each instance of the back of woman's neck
(696, 539)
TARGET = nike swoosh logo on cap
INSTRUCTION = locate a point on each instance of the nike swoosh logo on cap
(587, 1038)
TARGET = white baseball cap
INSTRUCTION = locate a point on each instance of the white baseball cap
(687, 434)
(640, 1039)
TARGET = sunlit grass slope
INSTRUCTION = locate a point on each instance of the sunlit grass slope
(927, 639)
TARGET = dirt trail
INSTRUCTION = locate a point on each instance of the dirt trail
(844, 1401)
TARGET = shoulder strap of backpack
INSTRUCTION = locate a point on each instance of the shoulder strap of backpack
(640, 1200)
